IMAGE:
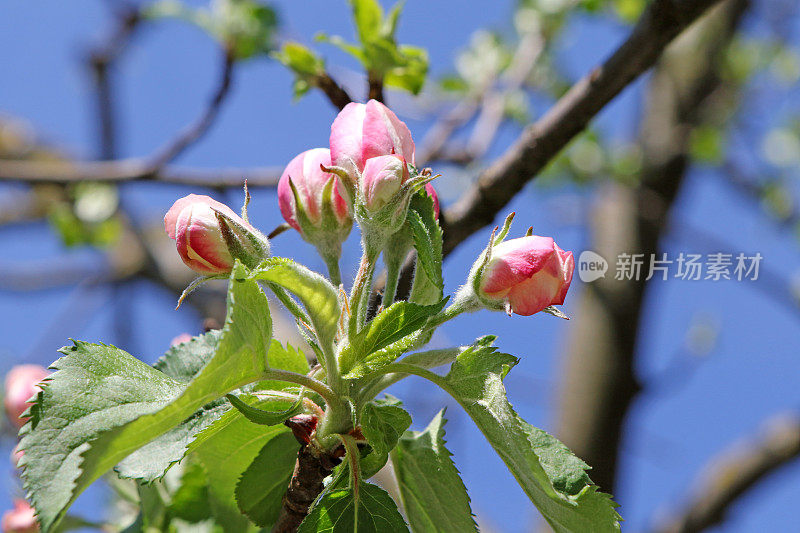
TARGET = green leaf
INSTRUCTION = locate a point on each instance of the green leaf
(411, 72)
(184, 361)
(260, 490)
(181, 363)
(434, 496)
(284, 358)
(264, 418)
(319, 297)
(226, 449)
(368, 16)
(190, 500)
(101, 404)
(382, 423)
(553, 478)
(428, 284)
(393, 324)
(339, 512)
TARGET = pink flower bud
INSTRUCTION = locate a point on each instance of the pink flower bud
(363, 131)
(309, 181)
(382, 179)
(432, 193)
(193, 225)
(22, 383)
(527, 274)
(180, 339)
(21, 519)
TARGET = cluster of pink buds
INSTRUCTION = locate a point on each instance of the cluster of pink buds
(522, 276)
(368, 174)
(21, 385)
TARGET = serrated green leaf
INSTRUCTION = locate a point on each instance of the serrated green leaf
(319, 297)
(226, 449)
(390, 326)
(553, 478)
(338, 512)
(412, 70)
(260, 490)
(428, 284)
(434, 496)
(102, 403)
(181, 363)
(382, 424)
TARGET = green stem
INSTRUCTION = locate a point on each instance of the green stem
(332, 262)
(319, 387)
(359, 298)
(392, 278)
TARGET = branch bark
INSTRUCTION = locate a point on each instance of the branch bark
(661, 22)
(599, 383)
(736, 471)
(335, 93)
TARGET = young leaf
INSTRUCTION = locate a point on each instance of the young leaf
(553, 478)
(390, 326)
(368, 16)
(428, 283)
(261, 417)
(434, 496)
(339, 512)
(261, 487)
(226, 449)
(184, 361)
(102, 403)
(382, 423)
(190, 501)
(319, 297)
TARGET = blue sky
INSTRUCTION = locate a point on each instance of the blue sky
(751, 373)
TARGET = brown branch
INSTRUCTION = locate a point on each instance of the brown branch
(195, 131)
(335, 93)
(599, 383)
(124, 170)
(306, 484)
(736, 471)
(375, 84)
(661, 22)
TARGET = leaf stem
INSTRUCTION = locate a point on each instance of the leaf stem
(359, 298)
(317, 386)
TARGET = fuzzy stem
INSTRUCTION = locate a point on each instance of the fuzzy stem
(359, 298)
(332, 262)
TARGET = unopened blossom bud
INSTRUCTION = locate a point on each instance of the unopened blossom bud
(363, 131)
(382, 180)
(209, 235)
(525, 275)
(315, 202)
(180, 339)
(20, 519)
(22, 383)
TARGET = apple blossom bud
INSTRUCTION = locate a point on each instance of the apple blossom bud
(363, 131)
(315, 202)
(382, 180)
(20, 519)
(180, 339)
(22, 383)
(525, 275)
(209, 235)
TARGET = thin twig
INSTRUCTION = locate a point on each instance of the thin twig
(542, 141)
(335, 93)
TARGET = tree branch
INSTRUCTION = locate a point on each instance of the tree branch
(335, 93)
(136, 169)
(736, 471)
(661, 22)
